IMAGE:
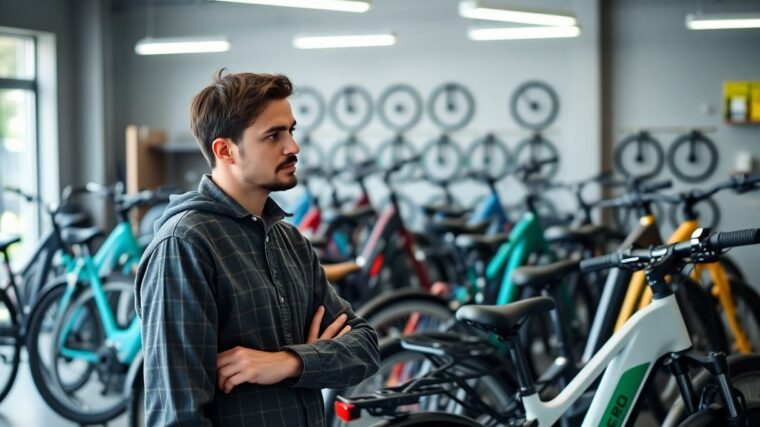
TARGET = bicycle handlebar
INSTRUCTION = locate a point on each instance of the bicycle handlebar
(698, 246)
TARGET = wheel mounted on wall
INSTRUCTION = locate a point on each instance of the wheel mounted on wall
(693, 157)
(639, 155)
(534, 105)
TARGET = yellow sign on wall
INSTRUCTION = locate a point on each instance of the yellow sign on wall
(741, 101)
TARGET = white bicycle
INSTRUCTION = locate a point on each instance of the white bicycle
(726, 392)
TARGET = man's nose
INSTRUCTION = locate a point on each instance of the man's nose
(292, 146)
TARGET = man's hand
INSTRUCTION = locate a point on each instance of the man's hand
(240, 365)
(330, 332)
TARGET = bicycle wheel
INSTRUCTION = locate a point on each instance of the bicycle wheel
(349, 152)
(536, 148)
(744, 371)
(707, 210)
(10, 345)
(351, 108)
(639, 155)
(398, 365)
(693, 157)
(409, 315)
(534, 105)
(400, 107)
(442, 159)
(308, 107)
(67, 384)
(395, 150)
(451, 106)
(311, 155)
(490, 156)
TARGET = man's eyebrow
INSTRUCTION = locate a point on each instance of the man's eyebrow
(280, 128)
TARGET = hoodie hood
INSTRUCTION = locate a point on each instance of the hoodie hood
(210, 198)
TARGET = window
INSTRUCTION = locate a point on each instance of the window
(18, 137)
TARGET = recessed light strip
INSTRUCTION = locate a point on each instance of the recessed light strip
(361, 40)
(168, 46)
(523, 33)
(722, 22)
(474, 9)
(357, 6)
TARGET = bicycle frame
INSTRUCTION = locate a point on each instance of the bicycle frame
(491, 210)
(625, 360)
(127, 342)
(526, 238)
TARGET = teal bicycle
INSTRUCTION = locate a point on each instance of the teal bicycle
(83, 334)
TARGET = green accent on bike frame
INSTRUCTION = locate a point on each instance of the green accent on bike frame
(622, 398)
(119, 242)
(526, 237)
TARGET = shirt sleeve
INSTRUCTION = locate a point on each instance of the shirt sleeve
(179, 333)
(340, 362)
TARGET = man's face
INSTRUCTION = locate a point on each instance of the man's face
(266, 154)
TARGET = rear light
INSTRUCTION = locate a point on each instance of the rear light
(347, 411)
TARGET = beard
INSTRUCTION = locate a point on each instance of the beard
(280, 186)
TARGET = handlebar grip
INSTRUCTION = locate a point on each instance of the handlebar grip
(656, 186)
(730, 239)
(603, 262)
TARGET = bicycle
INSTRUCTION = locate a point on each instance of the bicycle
(67, 339)
(625, 363)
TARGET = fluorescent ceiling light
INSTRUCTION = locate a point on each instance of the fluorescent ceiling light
(362, 40)
(337, 5)
(521, 33)
(474, 9)
(722, 22)
(166, 46)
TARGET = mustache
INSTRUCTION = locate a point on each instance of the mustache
(292, 159)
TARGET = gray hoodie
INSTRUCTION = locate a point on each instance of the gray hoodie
(216, 277)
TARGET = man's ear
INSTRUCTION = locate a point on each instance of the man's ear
(223, 150)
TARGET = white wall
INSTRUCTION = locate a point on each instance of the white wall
(665, 75)
(432, 48)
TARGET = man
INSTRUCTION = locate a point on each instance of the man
(240, 326)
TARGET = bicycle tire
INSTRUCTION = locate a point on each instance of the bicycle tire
(491, 148)
(57, 399)
(697, 139)
(413, 118)
(639, 138)
(712, 207)
(300, 111)
(394, 150)
(385, 320)
(447, 89)
(498, 389)
(10, 339)
(363, 120)
(443, 152)
(744, 371)
(533, 145)
(345, 152)
(532, 124)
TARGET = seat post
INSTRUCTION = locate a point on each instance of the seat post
(524, 377)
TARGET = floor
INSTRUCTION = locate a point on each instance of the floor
(25, 408)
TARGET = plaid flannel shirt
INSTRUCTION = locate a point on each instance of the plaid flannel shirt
(215, 277)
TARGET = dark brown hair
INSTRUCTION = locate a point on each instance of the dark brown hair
(231, 104)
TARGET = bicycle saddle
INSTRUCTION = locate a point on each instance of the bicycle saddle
(481, 242)
(7, 240)
(504, 320)
(80, 236)
(544, 275)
